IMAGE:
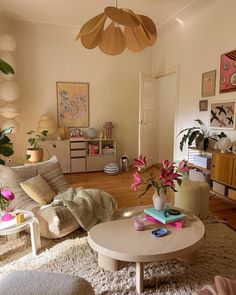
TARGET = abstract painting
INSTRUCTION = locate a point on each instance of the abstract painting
(222, 115)
(228, 72)
(73, 104)
(208, 83)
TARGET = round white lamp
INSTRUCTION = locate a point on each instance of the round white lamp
(9, 91)
(11, 123)
(9, 111)
(7, 42)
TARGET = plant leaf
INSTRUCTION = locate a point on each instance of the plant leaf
(147, 188)
(5, 67)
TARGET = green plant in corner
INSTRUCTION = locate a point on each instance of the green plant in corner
(5, 67)
(195, 135)
(6, 145)
(35, 139)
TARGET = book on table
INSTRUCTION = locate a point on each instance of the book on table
(160, 215)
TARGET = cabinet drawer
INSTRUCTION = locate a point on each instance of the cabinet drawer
(77, 153)
(77, 145)
(77, 165)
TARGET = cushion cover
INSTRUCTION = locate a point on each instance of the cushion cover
(54, 222)
(38, 189)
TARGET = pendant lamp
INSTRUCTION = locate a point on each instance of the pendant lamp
(117, 28)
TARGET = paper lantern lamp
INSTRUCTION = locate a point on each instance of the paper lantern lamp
(9, 111)
(7, 42)
(9, 91)
(11, 123)
(224, 144)
(46, 123)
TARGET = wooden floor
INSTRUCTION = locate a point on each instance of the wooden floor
(119, 187)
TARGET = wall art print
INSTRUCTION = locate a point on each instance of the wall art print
(228, 72)
(73, 104)
(222, 115)
(208, 83)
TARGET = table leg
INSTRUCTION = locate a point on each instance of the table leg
(35, 237)
(107, 262)
(139, 277)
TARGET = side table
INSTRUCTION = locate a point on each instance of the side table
(11, 228)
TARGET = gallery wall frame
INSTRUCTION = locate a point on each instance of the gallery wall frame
(208, 83)
(72, 104)
(228, 71)
(203, 105)
(222, 114)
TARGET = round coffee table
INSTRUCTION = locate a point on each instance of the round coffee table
(12, 228)
(117, 240)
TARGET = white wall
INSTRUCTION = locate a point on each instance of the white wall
(196, 46)
(46, 54)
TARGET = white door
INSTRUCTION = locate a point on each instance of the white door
(166, 114)
(147, 122)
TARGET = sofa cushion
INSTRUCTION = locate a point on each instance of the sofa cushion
(38, 189)
(51, 171)
(54, 222)
(11, 178)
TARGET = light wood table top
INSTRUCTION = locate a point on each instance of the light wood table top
(119, 240)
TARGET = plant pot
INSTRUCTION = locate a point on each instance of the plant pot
(35, 155)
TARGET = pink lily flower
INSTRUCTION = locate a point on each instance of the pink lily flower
(140, 162)
(8, 195)
(183, 166)
(136, 181)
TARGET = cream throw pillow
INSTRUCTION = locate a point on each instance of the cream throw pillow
(38, 189)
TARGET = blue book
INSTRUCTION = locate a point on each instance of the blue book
(160, 216)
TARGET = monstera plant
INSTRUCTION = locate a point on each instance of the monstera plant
(5, 67)
(195, 135)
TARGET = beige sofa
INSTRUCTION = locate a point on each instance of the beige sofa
(55, 222)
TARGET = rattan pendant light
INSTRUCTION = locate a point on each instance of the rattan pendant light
(117, 28)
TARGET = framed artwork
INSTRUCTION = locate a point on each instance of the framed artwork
(222, 115)
(228, 72)
(203, 105)
(73, 104)
(208, 83)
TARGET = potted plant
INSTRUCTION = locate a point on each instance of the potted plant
(35, 152)
(6, 149)
(197, 135)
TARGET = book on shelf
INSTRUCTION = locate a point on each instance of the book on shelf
(160, 215)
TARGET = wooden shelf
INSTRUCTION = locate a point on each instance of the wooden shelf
(199, 167)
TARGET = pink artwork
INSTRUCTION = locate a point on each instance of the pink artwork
(228, 72)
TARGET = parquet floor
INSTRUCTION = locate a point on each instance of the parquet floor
(119, 187)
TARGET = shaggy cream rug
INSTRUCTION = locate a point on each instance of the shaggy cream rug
(72, 255)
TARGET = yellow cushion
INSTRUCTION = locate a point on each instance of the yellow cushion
(38, 189)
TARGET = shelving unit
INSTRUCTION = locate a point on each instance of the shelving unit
(82, 155)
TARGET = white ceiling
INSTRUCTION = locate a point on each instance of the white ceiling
(76, 12)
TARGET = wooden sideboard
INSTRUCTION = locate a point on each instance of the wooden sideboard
(82, 155)
(223, 168)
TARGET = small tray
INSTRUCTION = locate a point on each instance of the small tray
(159, 232)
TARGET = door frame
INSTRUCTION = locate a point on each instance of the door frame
(163, 73)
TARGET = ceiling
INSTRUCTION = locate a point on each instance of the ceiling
(76, 12)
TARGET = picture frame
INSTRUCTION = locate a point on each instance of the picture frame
(228, 71)
(208, 83)
(222, 114)
(203, 105)
(72, 104)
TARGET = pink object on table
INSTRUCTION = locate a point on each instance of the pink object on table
(177, 224)
(7, 217)
(8, 195)
(138, 223)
